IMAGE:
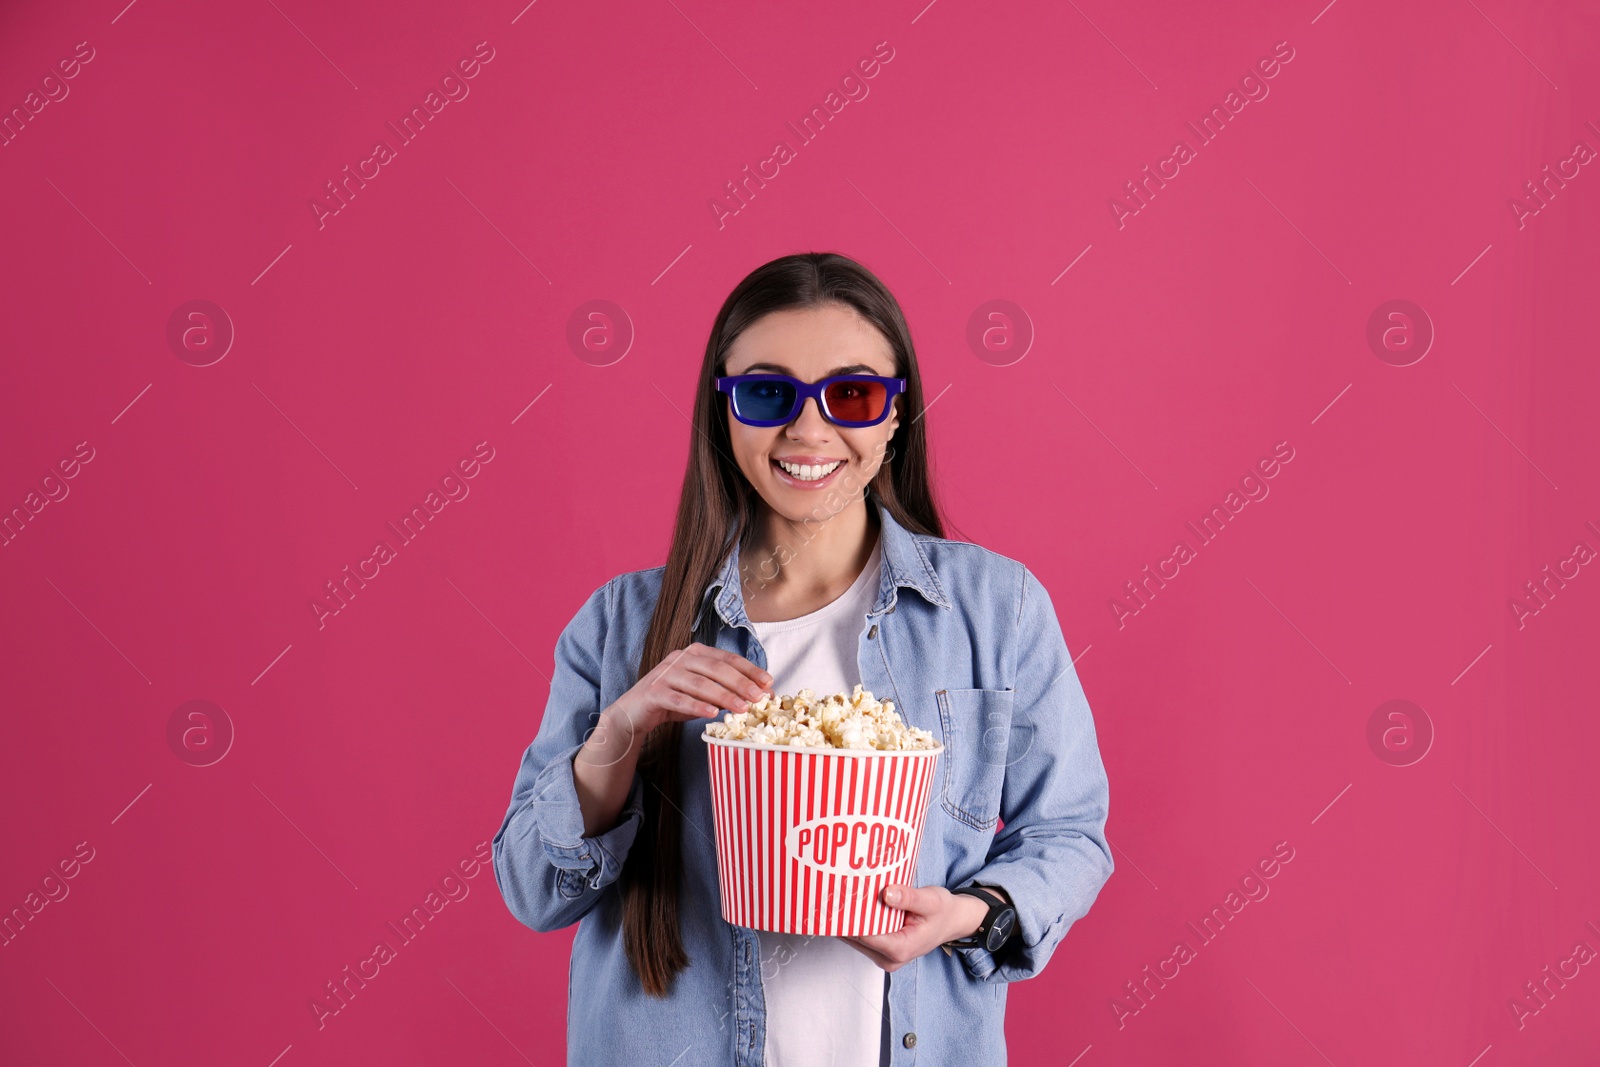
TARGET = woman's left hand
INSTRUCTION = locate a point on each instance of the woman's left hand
(934, 915)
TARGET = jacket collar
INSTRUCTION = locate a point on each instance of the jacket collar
(905, 563)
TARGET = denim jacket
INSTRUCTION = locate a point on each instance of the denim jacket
(967, 645)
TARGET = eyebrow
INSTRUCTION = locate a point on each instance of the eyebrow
(779, 368)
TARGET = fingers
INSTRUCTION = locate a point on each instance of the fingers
(708, 690)
(717, 677)
(682, 701)
(725, 674)
(668, 662)
(698, 681)
(910, 898)
(737, 662)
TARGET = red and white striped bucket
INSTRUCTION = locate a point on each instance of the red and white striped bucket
(807, 838)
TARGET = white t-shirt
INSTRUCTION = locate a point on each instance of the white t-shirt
(824, 997)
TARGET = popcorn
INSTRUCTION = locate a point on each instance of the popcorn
(857, 721)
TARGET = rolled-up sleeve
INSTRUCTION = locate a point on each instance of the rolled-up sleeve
(549, 873)
(1051, 856)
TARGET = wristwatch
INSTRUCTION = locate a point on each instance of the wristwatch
(997, 927)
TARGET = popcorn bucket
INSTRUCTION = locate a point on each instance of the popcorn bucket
(808, 837)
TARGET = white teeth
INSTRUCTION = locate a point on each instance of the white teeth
(809, 472)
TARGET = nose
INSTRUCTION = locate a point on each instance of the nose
(809, 423)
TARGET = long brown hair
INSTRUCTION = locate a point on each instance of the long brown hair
(718, 505)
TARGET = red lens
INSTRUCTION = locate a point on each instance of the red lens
(856, 401)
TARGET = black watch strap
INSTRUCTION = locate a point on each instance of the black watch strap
(997, 906)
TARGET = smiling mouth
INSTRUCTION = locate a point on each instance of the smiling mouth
(802, 472)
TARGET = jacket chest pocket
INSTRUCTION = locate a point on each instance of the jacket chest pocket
(977, 732)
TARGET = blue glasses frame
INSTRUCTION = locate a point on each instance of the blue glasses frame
(815, 390)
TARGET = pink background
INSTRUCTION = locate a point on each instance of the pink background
(371, 756)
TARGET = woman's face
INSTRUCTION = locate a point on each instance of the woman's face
(811, 344)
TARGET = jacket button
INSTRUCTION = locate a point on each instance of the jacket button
(872, 632)
(910, 1040)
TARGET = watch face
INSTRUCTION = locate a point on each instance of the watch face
(1004, 923)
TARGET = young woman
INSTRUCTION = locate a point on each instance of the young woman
(808, 553)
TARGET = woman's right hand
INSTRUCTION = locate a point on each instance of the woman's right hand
(691, 683)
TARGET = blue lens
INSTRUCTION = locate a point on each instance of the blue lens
(764, 400)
